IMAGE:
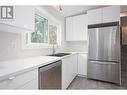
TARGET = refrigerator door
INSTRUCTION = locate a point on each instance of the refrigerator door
(104, 44)
(105, 71)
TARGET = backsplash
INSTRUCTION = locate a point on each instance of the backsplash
(10, 48)
(10, 43)
(79, 46)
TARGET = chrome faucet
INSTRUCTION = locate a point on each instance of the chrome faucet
(53, 48)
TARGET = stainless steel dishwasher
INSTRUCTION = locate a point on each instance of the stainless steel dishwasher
(50, 76)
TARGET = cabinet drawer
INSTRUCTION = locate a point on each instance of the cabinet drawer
(18, 80)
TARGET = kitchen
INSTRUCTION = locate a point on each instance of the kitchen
(55, 56)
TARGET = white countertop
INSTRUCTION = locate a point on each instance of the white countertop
(13, 67)
(10, 68)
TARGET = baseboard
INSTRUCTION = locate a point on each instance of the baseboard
(82, 75)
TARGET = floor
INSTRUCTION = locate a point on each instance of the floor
(84, 83)
(124, 66)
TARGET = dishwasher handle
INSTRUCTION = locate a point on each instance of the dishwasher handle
(49, 66)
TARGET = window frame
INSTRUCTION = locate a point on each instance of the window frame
(39, 16)
(26, 36)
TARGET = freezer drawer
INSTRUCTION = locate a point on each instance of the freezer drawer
(105, 71)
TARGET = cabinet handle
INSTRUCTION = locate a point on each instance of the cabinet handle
(11, 78)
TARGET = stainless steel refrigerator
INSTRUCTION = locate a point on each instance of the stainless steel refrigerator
(104, 52)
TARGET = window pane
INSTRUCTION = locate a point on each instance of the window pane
(41, 30)
(52, 34)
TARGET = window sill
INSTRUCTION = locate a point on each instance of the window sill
(35, 45)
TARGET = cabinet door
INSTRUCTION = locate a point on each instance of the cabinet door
(111, 14)
(32, 85)
(82, 64)
(74, 66)
(69, 29)
(66, 72)
(23, 18)
(69, 70)
(17, 81)
(95, 16)
(80, 27)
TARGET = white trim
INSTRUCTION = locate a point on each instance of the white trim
(12, 29)
(32, 45)
(85, 76)
(53, 21)
(46, 14)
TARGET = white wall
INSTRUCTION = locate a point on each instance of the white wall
(79, 46)
(10, 43)
(10, 47)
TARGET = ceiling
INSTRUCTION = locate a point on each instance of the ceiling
(70, 10)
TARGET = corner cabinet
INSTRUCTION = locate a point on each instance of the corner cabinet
(23, 18)
(76, 28)
(69, 70)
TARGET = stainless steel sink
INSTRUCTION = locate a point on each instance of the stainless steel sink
(60, 54)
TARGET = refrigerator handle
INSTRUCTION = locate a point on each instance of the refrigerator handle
(103, 63)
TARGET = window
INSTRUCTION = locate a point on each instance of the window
(41, 30)
(47, 33)
(52, 34)
(44, 32)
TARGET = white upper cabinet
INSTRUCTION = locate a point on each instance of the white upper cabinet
(80, 27)
(76, 28)
(95, 16)
(111, 14)
(104, 15)
(69, 29)
(23, 18)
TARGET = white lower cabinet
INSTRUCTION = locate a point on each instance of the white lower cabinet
(69, 70)
(19, 81)
(82, 64)
(32, 85)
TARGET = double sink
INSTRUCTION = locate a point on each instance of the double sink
(59, 54)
